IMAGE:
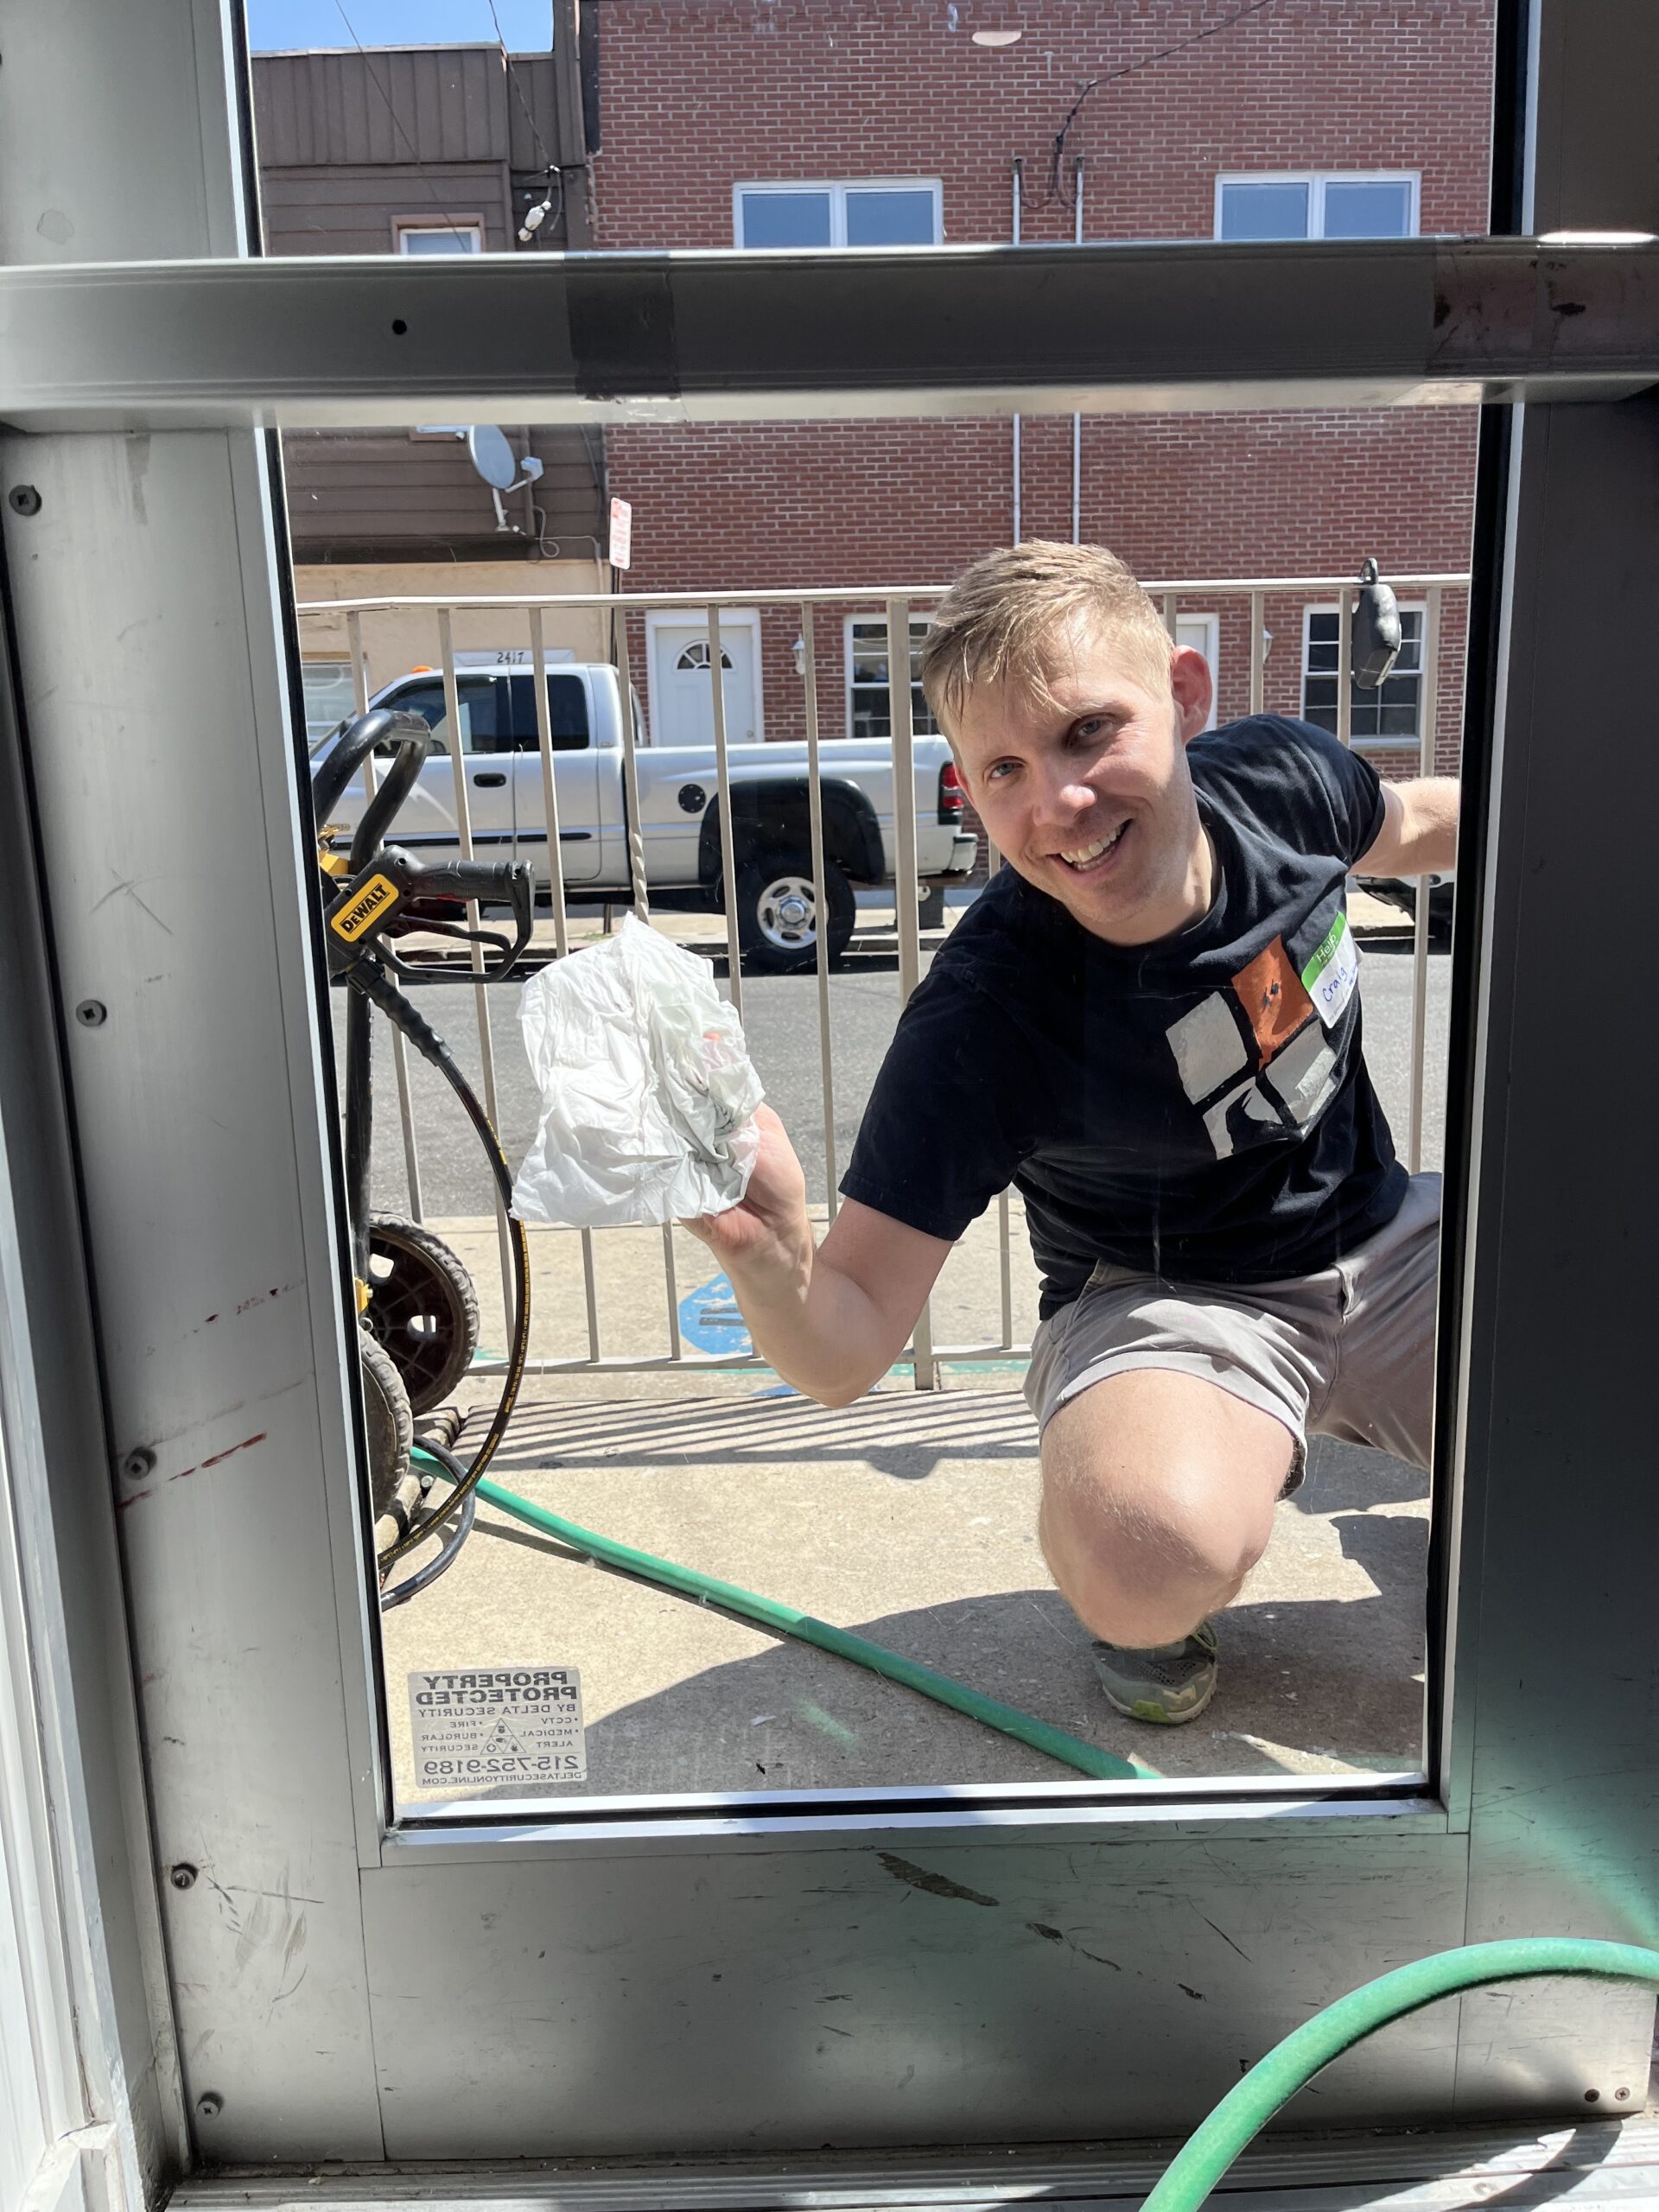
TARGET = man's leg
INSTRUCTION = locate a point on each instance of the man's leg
(1158, 1491)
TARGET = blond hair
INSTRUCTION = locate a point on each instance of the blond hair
(1003, 620)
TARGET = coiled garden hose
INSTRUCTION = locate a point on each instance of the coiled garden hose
(1290, 2065)
(785, 1620)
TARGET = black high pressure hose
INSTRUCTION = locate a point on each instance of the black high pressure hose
(380, 991)
(425, 1577)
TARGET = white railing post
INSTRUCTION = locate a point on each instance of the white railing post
(907, 905)
(480, 989)
(1344, 671)
(399, 1045)
(1258, 652)
(820, 899)
(723, 794)
(555, 895)
(639, 884)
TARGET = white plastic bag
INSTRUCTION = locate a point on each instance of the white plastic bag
(648, 1097)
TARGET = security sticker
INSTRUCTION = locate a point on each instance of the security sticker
(1330, 976)
(479, 1726)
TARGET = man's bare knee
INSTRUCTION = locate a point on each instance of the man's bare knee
(1158, 1500)
(1141, 1570)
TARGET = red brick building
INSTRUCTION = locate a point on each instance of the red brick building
(892, 120)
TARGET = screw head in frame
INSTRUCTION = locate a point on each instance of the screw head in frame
(92, 1013)
(210, 2105)
(183, 1876)
(138, 1464)
(23, 500)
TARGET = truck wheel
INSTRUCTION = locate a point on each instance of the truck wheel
(777, 913)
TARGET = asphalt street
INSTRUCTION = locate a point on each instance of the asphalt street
(781, 1019)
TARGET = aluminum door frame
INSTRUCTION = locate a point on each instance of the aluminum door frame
(1018, 1965)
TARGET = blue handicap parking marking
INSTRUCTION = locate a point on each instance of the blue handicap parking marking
(710, 1321)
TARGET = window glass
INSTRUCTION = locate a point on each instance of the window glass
(1265, 211)
(1389, 714)
(870, 706)
(1377, 210)
(480, 697)
(448, 237)
(328, 695)
(890, 217)
(567, 699)
(783, 219)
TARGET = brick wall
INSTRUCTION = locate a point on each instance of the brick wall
(701, 94)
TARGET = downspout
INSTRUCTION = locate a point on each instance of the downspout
(1076, 419)
(1019, 174)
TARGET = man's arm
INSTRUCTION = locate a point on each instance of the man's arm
(1419, 834)
(831, 1317)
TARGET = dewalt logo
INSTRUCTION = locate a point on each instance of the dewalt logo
(356, 916)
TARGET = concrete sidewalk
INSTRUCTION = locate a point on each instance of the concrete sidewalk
(909, 1517)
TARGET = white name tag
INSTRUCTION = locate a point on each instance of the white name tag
(1330, 976)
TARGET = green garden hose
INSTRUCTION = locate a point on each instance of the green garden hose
(1271, 2084)
(785, 1620)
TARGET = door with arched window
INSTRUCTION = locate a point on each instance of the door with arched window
(681, 705)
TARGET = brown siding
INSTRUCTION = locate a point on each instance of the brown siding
(350, 147)
(391, 105)
(385, 492)
(356, 209)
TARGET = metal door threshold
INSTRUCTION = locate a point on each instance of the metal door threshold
(1588, 2164)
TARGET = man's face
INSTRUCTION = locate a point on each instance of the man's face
(1087, 793)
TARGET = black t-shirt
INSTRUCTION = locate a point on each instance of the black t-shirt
(1198, 1108)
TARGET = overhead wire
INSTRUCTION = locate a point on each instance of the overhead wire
(449, 221)
(1111, 76)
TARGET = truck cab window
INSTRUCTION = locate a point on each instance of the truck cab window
(567, 700)
(481, 717)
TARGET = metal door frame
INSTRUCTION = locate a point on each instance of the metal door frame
(1018, 1963)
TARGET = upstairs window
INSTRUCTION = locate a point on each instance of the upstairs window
(1318, 204)
(905, 211)
(464, 235)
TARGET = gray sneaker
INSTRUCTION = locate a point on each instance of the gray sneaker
(1170, 1684)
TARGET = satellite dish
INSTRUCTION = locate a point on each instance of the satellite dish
(491, 456)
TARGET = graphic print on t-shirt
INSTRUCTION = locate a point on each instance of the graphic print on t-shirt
(1256, 1061)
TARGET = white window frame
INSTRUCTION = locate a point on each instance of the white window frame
(1316, 181)
(1416, 607)
(837, 189)
(919, 626)
(417, 227)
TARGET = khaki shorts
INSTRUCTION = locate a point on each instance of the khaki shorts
(1347, 1352)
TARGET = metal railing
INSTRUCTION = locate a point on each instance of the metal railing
(531, 609)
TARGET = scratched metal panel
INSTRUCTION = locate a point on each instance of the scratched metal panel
(149, 669)
(913, 1993)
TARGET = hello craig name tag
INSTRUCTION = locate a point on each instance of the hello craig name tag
(1330, 976)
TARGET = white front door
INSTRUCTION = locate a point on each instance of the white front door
(682, 697)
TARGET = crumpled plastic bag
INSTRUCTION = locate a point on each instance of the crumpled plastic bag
(648, 1096)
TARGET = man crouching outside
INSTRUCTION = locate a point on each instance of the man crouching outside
(1148, 1023)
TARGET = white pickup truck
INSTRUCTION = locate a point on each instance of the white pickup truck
(679, 806)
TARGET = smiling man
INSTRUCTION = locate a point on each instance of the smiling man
(1150, 1025)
